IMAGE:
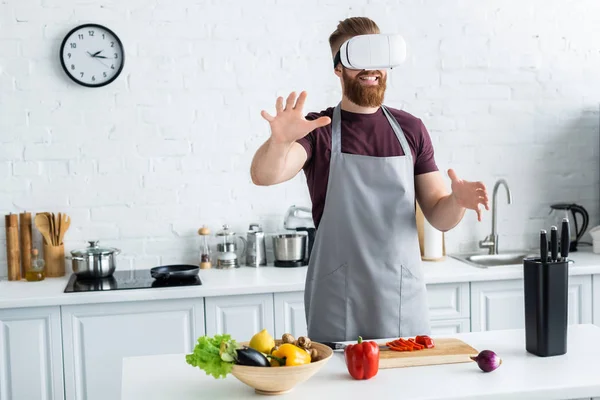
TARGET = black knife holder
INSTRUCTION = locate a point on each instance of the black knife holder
(546, 306)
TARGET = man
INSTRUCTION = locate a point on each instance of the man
(365, 165)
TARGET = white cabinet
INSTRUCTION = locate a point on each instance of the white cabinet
(98, 336)
(500, 304)
(450, 327)
(289, 314)
(240, 316)
(596, 299)
(448, 301)
(31, 354)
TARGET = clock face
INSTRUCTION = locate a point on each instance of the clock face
(92, 55)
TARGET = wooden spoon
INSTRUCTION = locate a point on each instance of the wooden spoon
(43, 225)
(65, 222)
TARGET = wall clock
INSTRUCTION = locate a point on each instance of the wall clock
(92, 55)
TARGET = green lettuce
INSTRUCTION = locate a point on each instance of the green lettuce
(215, 355)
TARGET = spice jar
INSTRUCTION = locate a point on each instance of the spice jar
(35, 271)
(205, 262)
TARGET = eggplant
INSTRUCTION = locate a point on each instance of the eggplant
(252, 358)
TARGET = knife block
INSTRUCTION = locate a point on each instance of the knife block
(546, 306)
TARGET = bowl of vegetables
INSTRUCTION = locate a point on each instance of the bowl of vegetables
(268, 366)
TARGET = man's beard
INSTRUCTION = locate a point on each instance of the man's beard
(363, 95)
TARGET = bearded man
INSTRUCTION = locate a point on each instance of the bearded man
(366, 166)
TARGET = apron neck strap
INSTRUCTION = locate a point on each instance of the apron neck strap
(336, 130)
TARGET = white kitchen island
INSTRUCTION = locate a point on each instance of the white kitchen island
(521, 375)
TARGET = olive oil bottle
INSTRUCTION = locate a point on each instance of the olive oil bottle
(35, 272)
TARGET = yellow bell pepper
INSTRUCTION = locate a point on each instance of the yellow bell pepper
(293, 355)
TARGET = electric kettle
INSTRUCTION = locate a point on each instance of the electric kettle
(571, 211)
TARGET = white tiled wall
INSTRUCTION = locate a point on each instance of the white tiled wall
(508, 89)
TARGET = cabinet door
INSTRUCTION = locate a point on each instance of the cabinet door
(31, 354)
(239, 316)
(450, 327)
(596, 299)
(98, 336)
(289, 314)
(448, 301)
(500, 304)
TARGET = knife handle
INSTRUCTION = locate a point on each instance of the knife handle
(565, 239)
(554, 244)
(543, 247)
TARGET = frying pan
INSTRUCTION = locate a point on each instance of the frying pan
(174, 271)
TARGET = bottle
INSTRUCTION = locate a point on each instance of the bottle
(35, 272)
(205, 262)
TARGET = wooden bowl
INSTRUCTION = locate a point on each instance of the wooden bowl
(279, 380)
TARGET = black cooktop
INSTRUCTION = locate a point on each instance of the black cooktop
(122, 280)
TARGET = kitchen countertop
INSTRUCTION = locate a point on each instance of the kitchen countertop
(247, 280)
(521, 375)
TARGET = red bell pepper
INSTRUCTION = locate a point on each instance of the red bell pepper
(362, 359)
(425, 341)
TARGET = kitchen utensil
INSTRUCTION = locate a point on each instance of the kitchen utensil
(446, 351)
(297, 216)
(174, 272)
(65, 223)
(26, 237)
(565, 234)
(341, 346)
(205, 262)
(43, 226)
(13, 253)
(571, 212)
(289, 249)
(94, 261)
(256, 253)
(227, 256)
(553, 244)
(546, 302)
(543, 247)
(274, 381)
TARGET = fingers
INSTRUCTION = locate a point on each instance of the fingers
(321, 121)
(289, 103)
(279, 105)
(479, 185)
(478, 214)
(301, 100)
(452, 175)
(267, 116)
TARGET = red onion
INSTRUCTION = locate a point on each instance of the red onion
(487, 360)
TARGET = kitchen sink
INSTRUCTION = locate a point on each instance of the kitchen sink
(494, 260)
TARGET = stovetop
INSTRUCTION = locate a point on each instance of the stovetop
(123, 280)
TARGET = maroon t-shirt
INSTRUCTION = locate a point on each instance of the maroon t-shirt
(363, 134)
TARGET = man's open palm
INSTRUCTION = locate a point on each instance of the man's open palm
(289, 124)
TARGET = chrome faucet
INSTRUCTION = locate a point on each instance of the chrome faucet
(491, 241)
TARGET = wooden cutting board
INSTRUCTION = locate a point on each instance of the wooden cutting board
(446, 351)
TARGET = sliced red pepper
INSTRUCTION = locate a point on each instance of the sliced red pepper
(425, 341)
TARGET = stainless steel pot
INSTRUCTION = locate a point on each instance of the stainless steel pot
(289, 247)
(94, 261)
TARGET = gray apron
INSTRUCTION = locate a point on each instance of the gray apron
(364, 275)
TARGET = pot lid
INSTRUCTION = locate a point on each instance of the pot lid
(93, 249)
(225, 231)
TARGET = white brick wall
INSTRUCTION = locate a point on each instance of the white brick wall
(508, 89)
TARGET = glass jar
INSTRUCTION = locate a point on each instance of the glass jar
(35, 272)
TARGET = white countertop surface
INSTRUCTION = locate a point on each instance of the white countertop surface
(521, 375)
(247, 280)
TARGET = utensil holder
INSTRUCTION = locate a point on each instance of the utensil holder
(54, 257)
(546, 306)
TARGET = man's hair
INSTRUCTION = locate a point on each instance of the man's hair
(349, 28)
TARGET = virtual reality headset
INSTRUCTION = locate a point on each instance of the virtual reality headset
(373, 51)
